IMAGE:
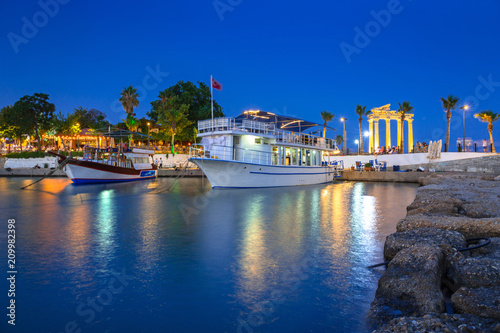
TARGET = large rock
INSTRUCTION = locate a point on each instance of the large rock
(483, 302)
(411, 284)
(475, 272)
(441, 323)
(492, 250)
(469, 227)
(402, 240)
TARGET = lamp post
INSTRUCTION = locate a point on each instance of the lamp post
(148, 135)
(464, 108)
(344, 136)
(357, 141)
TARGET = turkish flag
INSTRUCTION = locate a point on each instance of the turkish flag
(216, 85)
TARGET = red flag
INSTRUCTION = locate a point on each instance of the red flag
(216, 85)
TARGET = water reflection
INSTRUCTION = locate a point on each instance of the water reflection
(309, 245)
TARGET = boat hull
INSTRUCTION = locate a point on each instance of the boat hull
(86, 172)
(234, 174)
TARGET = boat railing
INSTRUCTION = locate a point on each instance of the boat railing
(259, 127)
(229, 153)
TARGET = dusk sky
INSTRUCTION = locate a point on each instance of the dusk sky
(295, 58)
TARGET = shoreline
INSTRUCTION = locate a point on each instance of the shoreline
(432, 280)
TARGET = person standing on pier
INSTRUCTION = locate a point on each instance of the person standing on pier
(485, 146)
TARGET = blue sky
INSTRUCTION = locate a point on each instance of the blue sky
(285, 58)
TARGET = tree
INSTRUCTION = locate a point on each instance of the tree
(326, 116)
(197, 98)
(403, 110)
(173, 116)
(339, 139)
(36, 113)
(360, 111)
(12, 125)
(489, 117)
(129, 99)
(449, 104)
(92, 118)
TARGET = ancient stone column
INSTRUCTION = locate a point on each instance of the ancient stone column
(410, 135)
(387, 133)
(370, 127)
(376, 135)
(399, 133)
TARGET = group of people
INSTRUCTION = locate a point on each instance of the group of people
(382, 150)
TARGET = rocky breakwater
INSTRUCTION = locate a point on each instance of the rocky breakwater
(436, 281)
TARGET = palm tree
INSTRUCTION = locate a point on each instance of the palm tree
(360, 111)
(489, 117)
(129, 99)
(326, 116)
(339, 139)
(403, 110)
(449, 104)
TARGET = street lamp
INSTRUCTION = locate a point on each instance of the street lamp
(148, 135)
(344, 147)
(357, 141)
(464, 108)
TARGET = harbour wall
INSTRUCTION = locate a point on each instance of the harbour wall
(416, 160)
(436, 279)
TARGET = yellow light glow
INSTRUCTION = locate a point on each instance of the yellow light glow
(466, 107)
(342, 119)
(292, 122)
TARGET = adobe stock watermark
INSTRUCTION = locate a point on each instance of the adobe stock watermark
(149, 82)
(363, 37)
(30, 28)
(223, 6)
(104, 297)
(484, 89)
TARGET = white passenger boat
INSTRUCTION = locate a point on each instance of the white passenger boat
(262, 149)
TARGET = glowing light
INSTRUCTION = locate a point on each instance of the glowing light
(292, 122)
(357, 141)
(366, 134)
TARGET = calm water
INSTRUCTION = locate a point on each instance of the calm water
(151, 256)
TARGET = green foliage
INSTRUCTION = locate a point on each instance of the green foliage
(131, 123)
(197, 99)
(73, 153)
(339, 139)
(326, 116)
(172, 116)
(129, 99)
(403, 110)
(27, 154)
(35, 114)
(368, 165)
(487, 116)
(12, 124)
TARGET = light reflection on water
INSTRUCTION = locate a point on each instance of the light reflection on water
(284, 259)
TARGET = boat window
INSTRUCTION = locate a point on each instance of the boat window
(308, 157)
(294, 156)
(258, 141)
(266, 141)
(287, 157)
(303, 157)
(314, 160)
(275, 156)
(236, 140)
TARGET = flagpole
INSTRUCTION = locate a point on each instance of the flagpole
(212, 96)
